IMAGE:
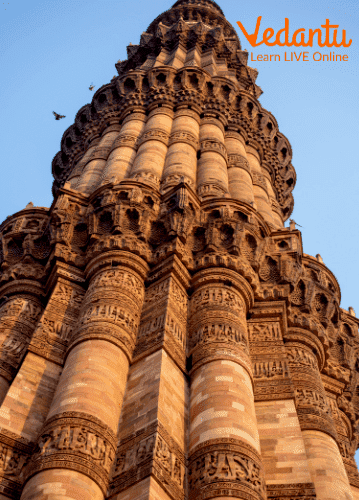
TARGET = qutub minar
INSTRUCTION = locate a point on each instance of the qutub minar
(163, 335)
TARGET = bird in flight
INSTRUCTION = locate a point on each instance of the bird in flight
(91, 87)
(57, 116)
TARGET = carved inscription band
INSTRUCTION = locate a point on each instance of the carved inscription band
(225, 467)
(105, 312)
(76, 441)
(152, 453)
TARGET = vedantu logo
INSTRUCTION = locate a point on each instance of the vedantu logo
(299, 36)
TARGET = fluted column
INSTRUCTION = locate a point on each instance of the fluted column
(124, 148)
(260, 185)
(25, 408)
(224, 451)
(239, 172)
(212, 175)
(181, 158)
(315, 417)
(275, 207)
(92, 172)
(74, 177)
(80, 432)
(154, 421)
(151, 154)
(18, 318)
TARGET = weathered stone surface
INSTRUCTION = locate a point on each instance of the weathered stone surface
(162, 334)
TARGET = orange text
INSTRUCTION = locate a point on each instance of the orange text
(325, 37)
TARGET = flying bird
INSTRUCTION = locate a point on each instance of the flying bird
(91, 87)
(57, 116)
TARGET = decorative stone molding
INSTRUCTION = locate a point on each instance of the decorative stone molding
(174, 180)
(147, 178)
(18, 318)
(272, 380)
(76, 441)
(218, 332)
(164, 319)
(154, 134)
(225, 467)
(152, 452)
(217, 318)
(299, 491)
(264, 331)
(125, 140)
(156, 262)
(15, 453)
(216, 297)
(259, 180)
(185, 137)
(55, 328)
(214, 146)
(238, 161)
(313, 407)
(270, 369)
(213, 190)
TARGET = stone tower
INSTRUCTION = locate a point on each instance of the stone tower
(163, 335)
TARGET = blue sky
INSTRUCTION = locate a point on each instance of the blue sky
(51, 51)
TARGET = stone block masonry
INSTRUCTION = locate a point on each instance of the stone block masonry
(162, 334)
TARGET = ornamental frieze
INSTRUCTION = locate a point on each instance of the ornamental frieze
(154, 134)
(155, 328)
(117, 278)
(125, 140)
(12, 462)
(183, 137)
(272, 389)
(152, 453)
(259, 180)
(209, 297)
(214, 146)
(18, 319)
(294, 491)
(261, 332)
(78, 442)
(115, 314)
(225, 467)
(213, 190)
(218, 332)
(174, 180)
(147, 178)
(235, 160)
(58, 329)
(270, 369)
(300, 357)
(21, 309)
(305, 397)
(68, 295)
(15, 453)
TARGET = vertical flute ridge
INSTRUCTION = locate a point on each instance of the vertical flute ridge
(162, 334)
